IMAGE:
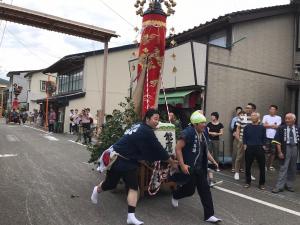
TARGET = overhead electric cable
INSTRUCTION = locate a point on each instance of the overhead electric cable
(114, 11)
(20, 42)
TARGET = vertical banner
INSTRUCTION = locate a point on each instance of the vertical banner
(151, 55)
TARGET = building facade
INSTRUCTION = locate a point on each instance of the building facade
(3, 87)
(251, 57)
(80, 79)
(37, 82)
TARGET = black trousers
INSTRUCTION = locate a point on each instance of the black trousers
(87, 132)
(51, 127)
(113, 177)
(198, 179)
(258, 153)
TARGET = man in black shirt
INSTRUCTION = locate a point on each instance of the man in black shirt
(138, 143)
(254, 140)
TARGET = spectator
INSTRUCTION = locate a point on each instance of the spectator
(241, 124)
(71, 118)
(271, 122)
(79, 127)
(287, 143)
(176, 122)
(254, 140)
(238, 109)
(31, 117)
(16, 117)
(86, 126)
(35, 116)
(24, 116)
(215, 130)
(75, 124)
(51, 120)
(236, 149)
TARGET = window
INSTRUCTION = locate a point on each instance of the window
(219, 39)
(43, 85)
(70, 82)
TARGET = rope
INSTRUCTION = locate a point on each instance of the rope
(158, 176)
(162, 84)
(147, 88)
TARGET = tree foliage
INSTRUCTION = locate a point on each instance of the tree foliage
(114, 128)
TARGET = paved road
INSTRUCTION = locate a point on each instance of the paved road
(45, 180)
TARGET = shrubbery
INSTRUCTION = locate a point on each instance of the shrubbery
(114, 128)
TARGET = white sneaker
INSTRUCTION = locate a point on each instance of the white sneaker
(94, 196)
(236, 176)
(253, 178)
(131, 219)
(174, 202)
(213, 219)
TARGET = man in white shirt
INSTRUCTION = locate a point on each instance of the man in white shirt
(271, 122)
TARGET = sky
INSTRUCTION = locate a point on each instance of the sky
(28, 48)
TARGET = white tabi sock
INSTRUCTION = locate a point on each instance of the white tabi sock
(94, 196)
(131, 219)
(174, 202)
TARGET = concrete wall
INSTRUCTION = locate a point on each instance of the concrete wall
(255, 70)
(118, 81)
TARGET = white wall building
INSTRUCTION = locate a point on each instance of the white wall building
(17, 77)
(37, 88)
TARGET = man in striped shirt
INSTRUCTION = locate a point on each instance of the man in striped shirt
(241, 124)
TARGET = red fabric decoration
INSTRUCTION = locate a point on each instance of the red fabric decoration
(106, 158)
(151, 54)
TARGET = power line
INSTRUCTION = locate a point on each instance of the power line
(33, 53)
(114, 11)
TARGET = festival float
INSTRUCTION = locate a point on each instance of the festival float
(13, 114)
(148, 84)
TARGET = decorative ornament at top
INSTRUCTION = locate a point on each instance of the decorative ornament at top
(155, 5)
(17, 90)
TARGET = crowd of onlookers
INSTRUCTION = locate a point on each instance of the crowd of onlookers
(260, 138)
(82, 125)
(263, 139)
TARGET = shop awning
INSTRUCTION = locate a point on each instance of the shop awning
(174, 98)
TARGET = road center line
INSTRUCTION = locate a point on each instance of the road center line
(258, 201)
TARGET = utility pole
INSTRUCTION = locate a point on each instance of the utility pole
(47, 102)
